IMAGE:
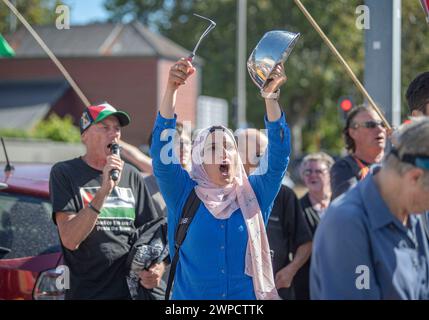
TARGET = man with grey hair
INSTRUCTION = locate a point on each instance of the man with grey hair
(371, 245)
(98, 216)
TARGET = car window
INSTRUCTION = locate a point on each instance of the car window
(26, 227)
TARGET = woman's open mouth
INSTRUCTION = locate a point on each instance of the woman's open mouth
(224, 169)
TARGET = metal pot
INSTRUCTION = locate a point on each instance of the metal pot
(274, 48)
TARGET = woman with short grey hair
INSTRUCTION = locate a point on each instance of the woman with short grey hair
(314, 171)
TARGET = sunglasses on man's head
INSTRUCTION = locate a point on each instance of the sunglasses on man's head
(372, 124)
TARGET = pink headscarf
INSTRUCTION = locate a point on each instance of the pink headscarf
(223, 201)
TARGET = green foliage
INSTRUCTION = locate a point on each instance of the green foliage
(57, 129)
(37, 12)
(14, 133)
(315, 78)
(54, 128)
(415, 47)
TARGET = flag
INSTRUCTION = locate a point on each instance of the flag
(5, 49)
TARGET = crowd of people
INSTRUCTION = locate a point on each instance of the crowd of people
(360, 231)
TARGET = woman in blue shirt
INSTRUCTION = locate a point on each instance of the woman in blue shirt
(225, 254)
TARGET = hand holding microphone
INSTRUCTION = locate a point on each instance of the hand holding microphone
(112, 169)
(114, 148)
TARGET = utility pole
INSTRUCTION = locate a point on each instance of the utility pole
(241, 62)
(12, 18)
(383, 57)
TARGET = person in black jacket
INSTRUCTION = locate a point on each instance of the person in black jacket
(288, 233)
(365, 136)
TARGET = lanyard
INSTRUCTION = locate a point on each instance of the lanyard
(364, 170)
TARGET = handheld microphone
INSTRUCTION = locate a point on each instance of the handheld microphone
(114, 148)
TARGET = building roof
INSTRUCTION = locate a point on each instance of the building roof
(95, 40)
(24, 103)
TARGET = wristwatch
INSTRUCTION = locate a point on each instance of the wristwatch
(270, 95)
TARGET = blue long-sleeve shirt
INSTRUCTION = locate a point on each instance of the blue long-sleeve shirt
(362, 251)
(212, 257)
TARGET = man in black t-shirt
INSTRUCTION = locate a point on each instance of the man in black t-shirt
(95, 215)
(290, 241)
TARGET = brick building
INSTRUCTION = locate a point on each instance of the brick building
(123, 64)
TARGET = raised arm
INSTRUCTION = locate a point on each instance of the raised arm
(178, 75)
(170, 175)
(267, 179)
(278, 78)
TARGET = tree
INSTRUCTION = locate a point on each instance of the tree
(315, 78)
(415, 47)
(35, 11)
(53, 128)
(57, 129)
(150, 12)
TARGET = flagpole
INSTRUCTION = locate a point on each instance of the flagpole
(343, 62)
(49, 53)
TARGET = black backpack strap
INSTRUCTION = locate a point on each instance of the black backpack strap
(188, 213)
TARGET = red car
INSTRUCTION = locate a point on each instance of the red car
(30, 251)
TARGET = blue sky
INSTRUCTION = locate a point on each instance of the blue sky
(86, 11)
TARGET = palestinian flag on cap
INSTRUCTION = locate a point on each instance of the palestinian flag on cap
(95, 114)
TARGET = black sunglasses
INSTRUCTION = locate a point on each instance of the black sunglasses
(369, 124)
